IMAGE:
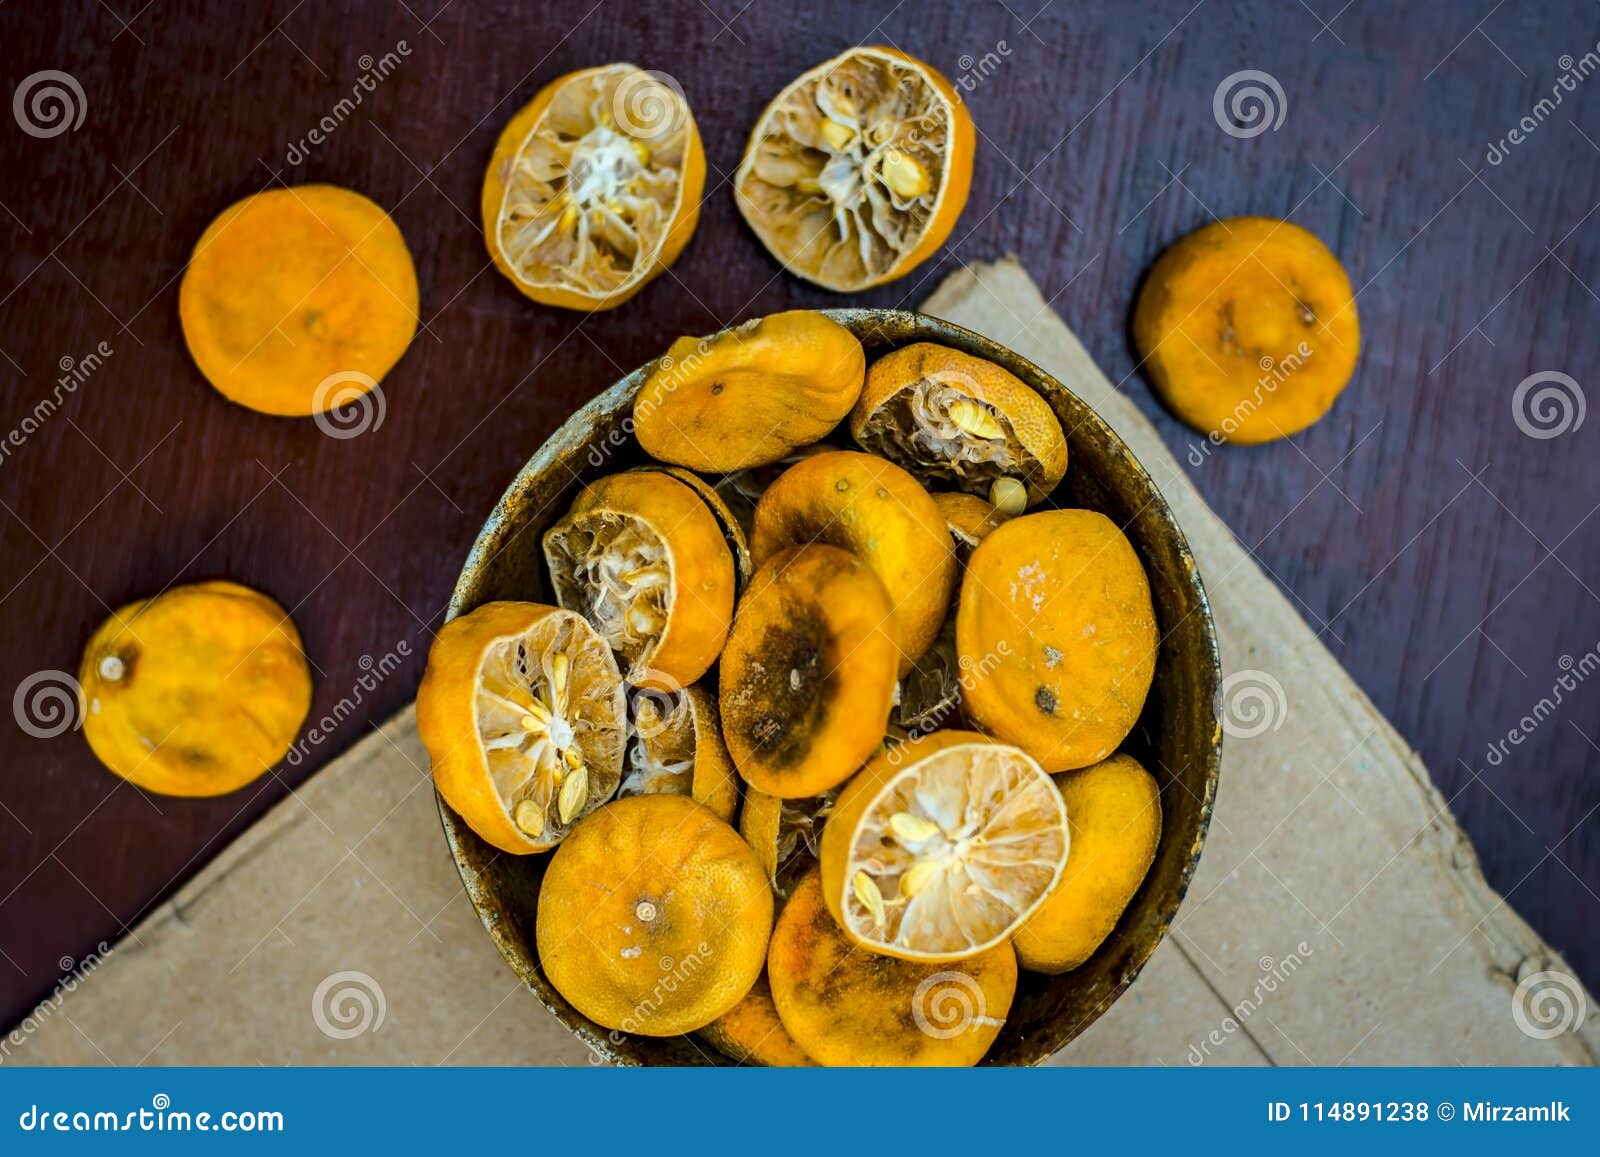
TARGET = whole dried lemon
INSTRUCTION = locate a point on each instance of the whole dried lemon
(1057, 635)
(879, 513)
(808, 676)
(751, 394)
(299, 300)
(844, 1005)
(653, 917)
(594, 187)
(1114, 813)
(1248, 329)
(752, 1034)
(857, 170)
(196, 691)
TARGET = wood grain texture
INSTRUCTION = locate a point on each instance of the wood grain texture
(1449, 560)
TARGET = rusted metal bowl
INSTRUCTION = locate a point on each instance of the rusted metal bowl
(1178, 736)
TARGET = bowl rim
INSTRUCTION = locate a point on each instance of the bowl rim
(576, 429)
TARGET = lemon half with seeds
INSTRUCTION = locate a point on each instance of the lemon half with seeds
(594, 187)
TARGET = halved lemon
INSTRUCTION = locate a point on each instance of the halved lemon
(677, 749)
(857, 171)
(642, 557)
(594, 187)
(522, 711)
(784, 833)
(956, 420)
(942, 846)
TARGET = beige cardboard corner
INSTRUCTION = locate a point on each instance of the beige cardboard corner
(1338, 915)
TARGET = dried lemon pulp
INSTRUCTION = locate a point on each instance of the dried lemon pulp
(959, 420)
(677, 749)
(856, 171)
(943, 846)
(594, 187)
(641, 556)
(522, 712)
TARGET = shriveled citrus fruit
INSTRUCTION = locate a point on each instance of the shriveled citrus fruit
(857, 170)
(733, 527)
(653, 917)
(968, 517)
(751, 394)
(957, 420)
(808, 675)
(196, 691)
(642, 557)
(677, 749)
(523, 713)
(1057, 634)
(846, 1006)
(298, 300)
(1114, 813)
(942, 847)
(594, 187)
(879, 513)
(752, 1034)
(785, 833)
(1248, 329)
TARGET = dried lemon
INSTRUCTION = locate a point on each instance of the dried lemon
(522, 711)
(878, 512)
(1057, 636)
(942, 847)
(733, 527)
(677, 749)
(957, 420)
(653, 917)
(642, 557)
(594, 187)
(194, 692)
(1248, 329)
(808, 675)
(1114, 814)
(749, 395)
(785, 833)
(752, 1034)
(299, 300)
(969, 518)
(857, 171)
(844, 1005)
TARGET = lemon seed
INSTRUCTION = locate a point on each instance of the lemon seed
(871, 899)
(529, 817)
(908, 828)
(1008, 496)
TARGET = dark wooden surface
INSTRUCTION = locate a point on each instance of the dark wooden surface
(1449, 560)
